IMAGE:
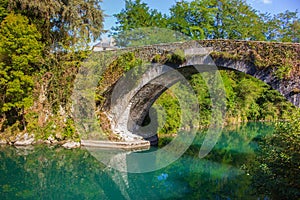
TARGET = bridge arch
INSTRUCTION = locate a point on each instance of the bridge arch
(144, 98)
(136, 101)
(146, 94)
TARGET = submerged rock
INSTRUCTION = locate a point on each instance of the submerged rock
(162, 177)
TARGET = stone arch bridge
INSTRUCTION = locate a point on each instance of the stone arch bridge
(122, 105)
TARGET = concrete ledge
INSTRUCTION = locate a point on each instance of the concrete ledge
(125, 145)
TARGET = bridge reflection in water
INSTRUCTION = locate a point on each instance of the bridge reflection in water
(57, 173)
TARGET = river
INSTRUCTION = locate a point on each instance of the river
(43, 172)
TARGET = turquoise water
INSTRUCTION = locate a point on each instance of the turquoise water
(43, 172)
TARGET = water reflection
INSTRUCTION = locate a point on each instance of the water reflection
(56, 173)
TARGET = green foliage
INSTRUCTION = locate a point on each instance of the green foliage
(124, 63)
(258, 102)
(136, 15)
(3, 9)
(62, 69)
(42, 44)
(168, 112)
(244, 103)
(69, 130)
(283, 27)
(157, 58)
(147, 36)
(179, 18)
(20, 57)
(212, 19)
(216, 19)
(129, 61)
(41, 132)
(54, 128)
(177, 57)
(73, 23)
(199, 85)
(11, 132)
(279, 160)
(174, 57)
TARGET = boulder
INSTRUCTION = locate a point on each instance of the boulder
(24, 140)
(2, 141)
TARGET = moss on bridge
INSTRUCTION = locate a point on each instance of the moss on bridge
(283, 57)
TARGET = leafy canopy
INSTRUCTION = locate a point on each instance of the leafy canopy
(20, 57)
(212, 19)
(63, 22)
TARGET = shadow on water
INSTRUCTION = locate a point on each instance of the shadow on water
(56, 173)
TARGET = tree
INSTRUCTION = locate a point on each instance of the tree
(138, 15)
(287, 26)
(241, 21)
(43, 36)
(213, 19)
(192, 19)
(278, 161)
(20, 57)
(216, 19)
(63, 22)
(283, 27)
(66, 28)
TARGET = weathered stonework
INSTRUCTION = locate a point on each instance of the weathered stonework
(128, 108)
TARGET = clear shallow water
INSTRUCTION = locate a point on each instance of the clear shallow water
(56, 173)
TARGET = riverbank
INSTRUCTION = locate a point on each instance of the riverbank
(69, 144)
(30, 140)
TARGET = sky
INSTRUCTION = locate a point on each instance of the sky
(111, 7)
